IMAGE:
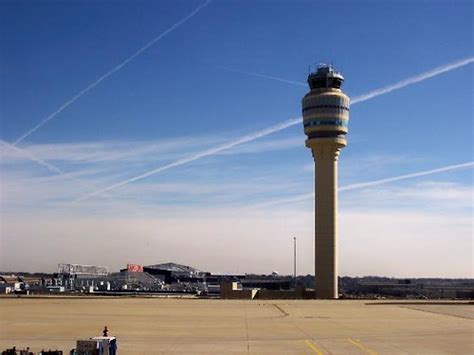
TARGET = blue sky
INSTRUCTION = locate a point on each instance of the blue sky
(193, 90)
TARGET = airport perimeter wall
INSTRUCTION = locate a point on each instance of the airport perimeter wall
(229, 292)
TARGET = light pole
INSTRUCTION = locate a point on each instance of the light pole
(294, 260)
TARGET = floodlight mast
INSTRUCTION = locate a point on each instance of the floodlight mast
(294, 260)
(325, 121)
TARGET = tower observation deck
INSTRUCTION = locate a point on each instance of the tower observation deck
(325, 121)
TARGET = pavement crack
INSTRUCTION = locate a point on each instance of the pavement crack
(247, 329)
(283, 312)
(435, 312)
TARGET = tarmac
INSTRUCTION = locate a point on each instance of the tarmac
(191, 326)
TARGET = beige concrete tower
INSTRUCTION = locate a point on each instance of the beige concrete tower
(325, 119)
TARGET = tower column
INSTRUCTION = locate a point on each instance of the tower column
(326, 155)
(325, 122)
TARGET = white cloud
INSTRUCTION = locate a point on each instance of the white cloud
(111, 151)
(267, 145)
(441, 191)
(394, 243)
(405, 243)
(204, 220)
(426, 195)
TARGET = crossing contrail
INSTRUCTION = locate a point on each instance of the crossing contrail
(31, 157)
(110, 72)
(205, 153)
(362, 185)
(284, 125)
(371, 94)
(263, 76)
(53, 169)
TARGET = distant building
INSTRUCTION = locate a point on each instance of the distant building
(172, 273)
(131, 280)
(76, 275)
(134, 268)
(82, 270)
(177, 270)
(5, 289)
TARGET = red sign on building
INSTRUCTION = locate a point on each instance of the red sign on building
(134, 268)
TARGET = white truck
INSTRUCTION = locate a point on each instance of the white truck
(103, 345)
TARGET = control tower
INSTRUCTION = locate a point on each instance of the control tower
(325, 119)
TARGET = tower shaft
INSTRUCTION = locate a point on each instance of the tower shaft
(326, 249)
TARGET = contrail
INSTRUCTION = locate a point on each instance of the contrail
(54, 169)
(31, 157)
(263, 76)
(406, 176)
(412, 80)
(371, 94)
(110, 72)
(361, 185)
(205, 153)
(286, 124)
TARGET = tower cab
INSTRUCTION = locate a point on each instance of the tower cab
(325, 107)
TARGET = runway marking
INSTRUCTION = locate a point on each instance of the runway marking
(358, 343)
(313, 347)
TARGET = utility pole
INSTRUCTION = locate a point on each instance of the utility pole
(294, 260)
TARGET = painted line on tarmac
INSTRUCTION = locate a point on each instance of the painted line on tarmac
(359, 344)
(313, 347)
